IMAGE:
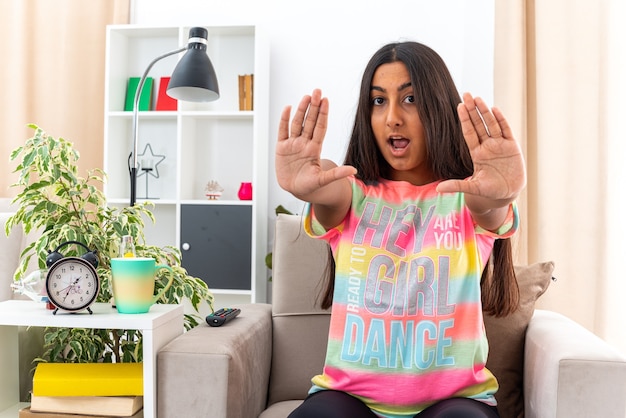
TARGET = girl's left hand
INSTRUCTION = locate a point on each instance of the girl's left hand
(499, 169)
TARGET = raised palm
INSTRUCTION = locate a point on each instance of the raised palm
(299, 169)
(499, 169)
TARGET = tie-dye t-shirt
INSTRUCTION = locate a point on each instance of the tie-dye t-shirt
(406, 328)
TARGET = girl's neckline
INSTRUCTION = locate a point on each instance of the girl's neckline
(408, 183)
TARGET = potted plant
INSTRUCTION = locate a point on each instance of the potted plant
(63, 206)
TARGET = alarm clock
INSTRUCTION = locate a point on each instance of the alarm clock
(72, 283)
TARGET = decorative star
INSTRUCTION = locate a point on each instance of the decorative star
(156, 160)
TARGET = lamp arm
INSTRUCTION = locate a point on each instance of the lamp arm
(135, 166)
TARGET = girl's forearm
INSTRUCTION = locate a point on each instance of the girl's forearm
(331, 203)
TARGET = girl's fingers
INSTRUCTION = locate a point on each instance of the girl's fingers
(298, 117)
(484, 121)
(321, 123)
(312, 114)
(467, 126)
(283, 125)
(477, 121)
(336, 173)
(505, 128)
(493, 128)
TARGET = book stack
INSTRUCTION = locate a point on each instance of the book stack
(86, 390)
(246, 92)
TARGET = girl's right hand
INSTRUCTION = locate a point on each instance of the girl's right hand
(299, 169)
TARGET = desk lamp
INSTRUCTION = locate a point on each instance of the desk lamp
(193, 80)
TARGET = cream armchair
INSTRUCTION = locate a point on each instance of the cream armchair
(260, 364)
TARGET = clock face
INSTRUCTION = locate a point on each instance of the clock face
(72, 284)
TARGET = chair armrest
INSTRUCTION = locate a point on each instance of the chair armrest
(570, 372)
(10, 249)
(220, 372)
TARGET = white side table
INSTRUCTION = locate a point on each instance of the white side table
(159, 326)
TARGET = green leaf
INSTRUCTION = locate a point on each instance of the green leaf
(28, 160)
(63, 333)
(281, 209)
(268, 260)
(77, 348)
(16, 152)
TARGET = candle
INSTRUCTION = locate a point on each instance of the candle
(147, 164)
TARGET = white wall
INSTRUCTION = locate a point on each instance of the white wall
(327, 43)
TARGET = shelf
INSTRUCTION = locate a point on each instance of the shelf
(168, 202)
(125, 201)
(165, 114)
(145, 114)
(217, 202)
(237, 114)
(27, 313)
(231, 292)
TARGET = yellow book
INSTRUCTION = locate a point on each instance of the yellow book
(106, 406)
(88, 379)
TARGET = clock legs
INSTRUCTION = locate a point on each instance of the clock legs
(54, 312)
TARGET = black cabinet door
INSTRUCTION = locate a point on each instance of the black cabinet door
(216, 244)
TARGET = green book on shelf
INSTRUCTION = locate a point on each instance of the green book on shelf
(145, 100)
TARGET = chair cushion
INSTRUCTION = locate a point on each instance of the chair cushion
(298, 352)
(506, 337)
(280, 409)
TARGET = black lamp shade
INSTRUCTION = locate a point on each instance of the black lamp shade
(194, 78)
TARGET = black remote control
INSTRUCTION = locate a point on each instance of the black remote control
(220, 317)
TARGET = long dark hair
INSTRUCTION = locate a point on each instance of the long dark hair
(436, 98)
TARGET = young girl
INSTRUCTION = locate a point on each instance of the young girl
(417, 218)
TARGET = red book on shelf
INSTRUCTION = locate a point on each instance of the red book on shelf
(165, 102)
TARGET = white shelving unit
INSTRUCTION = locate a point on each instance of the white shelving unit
(200, 142)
